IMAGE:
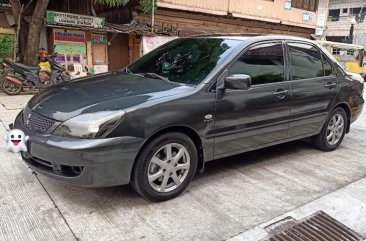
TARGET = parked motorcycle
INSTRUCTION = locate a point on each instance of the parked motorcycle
(19, 76)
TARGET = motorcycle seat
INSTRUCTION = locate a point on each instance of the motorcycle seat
(23, 66)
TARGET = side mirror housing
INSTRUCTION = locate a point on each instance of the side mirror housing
(238, 82)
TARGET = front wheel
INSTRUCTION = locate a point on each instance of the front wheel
(10, 88)
(165, 167)
(332, 132)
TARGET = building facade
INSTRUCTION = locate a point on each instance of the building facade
(107, 38)
(296, 17)
(335, 18)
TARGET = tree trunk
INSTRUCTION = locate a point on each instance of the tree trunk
(15, 7)
(35, 27)
(22, 44)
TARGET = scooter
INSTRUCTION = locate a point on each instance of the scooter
(19, 76)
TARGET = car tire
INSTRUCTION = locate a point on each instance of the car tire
(165, 167)
(332, 132)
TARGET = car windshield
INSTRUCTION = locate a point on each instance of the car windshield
(186, 60)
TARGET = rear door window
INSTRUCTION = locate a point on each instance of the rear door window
(306, 61)
(264, 63)
(328, 70)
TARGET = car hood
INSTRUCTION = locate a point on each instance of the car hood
(112, 91)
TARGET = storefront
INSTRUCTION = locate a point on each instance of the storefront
(80, 41)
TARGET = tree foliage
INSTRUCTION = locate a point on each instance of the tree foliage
(29, 30)
(113, 3)
(146, 5)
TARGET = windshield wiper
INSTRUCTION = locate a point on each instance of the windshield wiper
(155, 76)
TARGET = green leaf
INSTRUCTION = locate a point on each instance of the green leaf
(112, 3)
(146, 5)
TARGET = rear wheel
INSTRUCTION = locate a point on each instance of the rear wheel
(10, 88)
(165, 167)
(332, 132)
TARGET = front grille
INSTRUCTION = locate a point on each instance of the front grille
(38, 123)
(56, 169)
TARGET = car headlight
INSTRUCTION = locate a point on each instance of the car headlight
(93, 125)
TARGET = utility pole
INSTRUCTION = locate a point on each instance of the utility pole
(360, 17)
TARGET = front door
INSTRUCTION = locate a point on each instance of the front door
(313, 89)
(248, 119)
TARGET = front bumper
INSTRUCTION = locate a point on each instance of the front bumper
(84, 162)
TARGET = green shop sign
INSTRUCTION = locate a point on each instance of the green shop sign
(74, 19)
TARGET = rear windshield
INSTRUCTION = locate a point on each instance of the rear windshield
(185, 60)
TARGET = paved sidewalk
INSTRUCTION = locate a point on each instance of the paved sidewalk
(234, 199)
(347, 205)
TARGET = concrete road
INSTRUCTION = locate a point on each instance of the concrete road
(233, 196)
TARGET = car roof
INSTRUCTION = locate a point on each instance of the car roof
(253, 36)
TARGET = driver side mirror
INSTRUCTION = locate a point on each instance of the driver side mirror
(238, 82)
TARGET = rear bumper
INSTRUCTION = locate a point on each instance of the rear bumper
(84, 162)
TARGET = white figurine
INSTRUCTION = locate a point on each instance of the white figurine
(16, 141)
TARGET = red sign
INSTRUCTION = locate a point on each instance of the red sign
(69, 36)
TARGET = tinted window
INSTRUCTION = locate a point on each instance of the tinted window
(306, 61)
(264, 63)
(185, 60)
(327, 66)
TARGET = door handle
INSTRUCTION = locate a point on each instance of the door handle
(280, 93)
(330, 85)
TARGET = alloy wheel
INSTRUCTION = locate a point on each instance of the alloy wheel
(335, 129)
(168, 167)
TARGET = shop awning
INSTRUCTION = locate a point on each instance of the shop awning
(135, 28)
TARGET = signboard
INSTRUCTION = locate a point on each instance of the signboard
(99, 39)
(61, 35)
(5, 4)
(288, 5)
(306, 17)
(99, 69)
(74, 19)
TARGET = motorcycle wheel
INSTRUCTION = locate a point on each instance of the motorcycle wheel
(10, 88)
(3, 75)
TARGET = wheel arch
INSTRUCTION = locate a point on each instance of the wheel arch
(182, 129)
(347, 109)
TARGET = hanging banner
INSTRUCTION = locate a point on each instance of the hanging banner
(151, 42)
(74, 19)
(71, 48)
(99, 39)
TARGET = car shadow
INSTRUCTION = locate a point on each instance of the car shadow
(96, 198)
(259, 156)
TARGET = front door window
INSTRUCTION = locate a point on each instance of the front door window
(263, 62)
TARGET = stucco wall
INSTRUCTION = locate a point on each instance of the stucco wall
(253, 9)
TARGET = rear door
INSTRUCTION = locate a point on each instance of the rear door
(248, 119)
(313, 88)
